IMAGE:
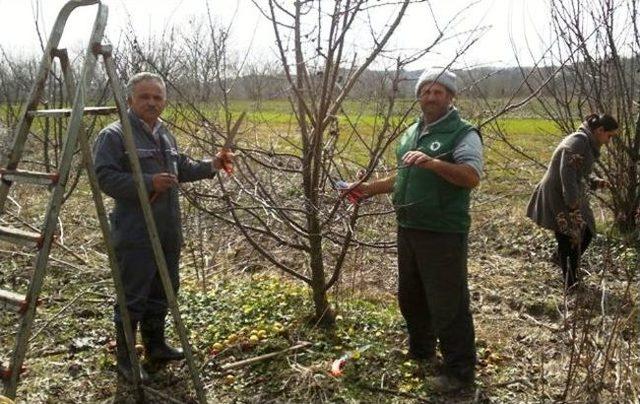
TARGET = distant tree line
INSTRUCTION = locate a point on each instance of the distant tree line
(193, 75)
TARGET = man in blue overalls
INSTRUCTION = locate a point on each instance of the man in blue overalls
(163, 167)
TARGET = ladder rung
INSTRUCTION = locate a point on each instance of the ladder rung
(29, 176)
(18, 236)
(12, 301)
(67, 111)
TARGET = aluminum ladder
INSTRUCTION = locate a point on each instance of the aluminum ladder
(25, 305)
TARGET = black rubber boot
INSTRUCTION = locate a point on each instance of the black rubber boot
(155, 345)
(448, 384)
(451, 381)
(124, 364)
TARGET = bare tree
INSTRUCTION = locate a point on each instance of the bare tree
(599, 44)
(283, 195)
(591, 66)
(312, 44)
(261, 81)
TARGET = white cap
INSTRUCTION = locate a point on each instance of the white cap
(442, 76)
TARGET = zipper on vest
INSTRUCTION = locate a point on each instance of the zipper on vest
(409, 169)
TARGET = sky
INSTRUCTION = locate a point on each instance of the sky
(503, 23)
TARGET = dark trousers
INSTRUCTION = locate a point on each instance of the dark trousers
(569, 254)
(142, 285)
(434, 297)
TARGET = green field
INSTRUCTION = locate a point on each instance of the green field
(237, 305)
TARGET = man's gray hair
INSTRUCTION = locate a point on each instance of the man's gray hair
(143, 76)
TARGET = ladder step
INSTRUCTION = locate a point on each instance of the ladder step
(29, 177)
(12, 301)
(67, 111)
(22, 237)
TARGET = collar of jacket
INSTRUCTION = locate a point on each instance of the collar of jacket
(135, 119)
(424, 127)
(593, 142)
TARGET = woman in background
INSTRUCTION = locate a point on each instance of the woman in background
(560, 201)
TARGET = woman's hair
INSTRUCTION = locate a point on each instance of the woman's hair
(594, 121)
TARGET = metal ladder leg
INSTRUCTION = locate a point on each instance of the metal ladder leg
(55, 202)
(150, 222)
(104, 227)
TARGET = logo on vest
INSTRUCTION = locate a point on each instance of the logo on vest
(435, 146)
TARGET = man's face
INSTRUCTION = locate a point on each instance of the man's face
(435, 99)
(148, 100)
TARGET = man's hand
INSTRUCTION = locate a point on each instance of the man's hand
(417, 158)
(353, 191)
(224, 161)
(368, 189)
(163, 182)
(462, 175)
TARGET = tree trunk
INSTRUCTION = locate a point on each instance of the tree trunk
(324, 314)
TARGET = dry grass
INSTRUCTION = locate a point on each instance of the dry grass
(530, 336)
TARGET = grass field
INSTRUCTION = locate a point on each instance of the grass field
(237, 306)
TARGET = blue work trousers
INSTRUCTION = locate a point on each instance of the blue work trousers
(142, 284)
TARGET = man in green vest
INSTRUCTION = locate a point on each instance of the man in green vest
(439, 162)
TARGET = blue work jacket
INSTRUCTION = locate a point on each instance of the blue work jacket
(116, 180)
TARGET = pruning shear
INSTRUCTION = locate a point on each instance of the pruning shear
(228, 143)
(353, 196)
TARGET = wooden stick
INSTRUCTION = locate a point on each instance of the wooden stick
(52, 258)
(66, 306)
(255, 359)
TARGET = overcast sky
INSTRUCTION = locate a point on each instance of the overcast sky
(524, 22)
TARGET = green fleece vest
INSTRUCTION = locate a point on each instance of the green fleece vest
(423, 199)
